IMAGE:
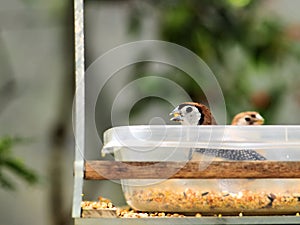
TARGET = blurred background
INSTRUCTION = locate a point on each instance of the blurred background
(251, 46)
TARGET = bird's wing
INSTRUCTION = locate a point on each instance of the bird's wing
(232, 154)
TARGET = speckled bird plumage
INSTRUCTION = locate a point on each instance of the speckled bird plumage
(191, 113)
(231, 154)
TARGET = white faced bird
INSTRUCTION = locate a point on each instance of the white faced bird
(193, 113)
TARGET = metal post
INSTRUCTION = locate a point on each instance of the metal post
(79, 109)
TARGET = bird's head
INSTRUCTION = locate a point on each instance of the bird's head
(192, 113)
(248, 118)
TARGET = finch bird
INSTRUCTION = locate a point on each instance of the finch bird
(248, 118)
(192, 113)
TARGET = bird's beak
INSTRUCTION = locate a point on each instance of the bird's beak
(176, 115)
(259, 120)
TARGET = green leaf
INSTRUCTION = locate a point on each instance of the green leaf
(5, 144)
(6, 183)
(18, 167)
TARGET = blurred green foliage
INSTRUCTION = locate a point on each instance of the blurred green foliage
(245, 48)
(8, 162)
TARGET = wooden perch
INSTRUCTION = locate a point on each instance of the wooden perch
(102, 170)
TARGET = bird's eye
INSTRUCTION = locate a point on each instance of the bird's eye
(253, 115)
(247, 119)
(189, 109)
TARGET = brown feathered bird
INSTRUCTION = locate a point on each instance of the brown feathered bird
(248, 118)
(192, 113)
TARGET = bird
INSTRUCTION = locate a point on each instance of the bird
(248, 118)
(193, 113)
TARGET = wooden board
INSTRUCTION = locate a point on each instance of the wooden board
(101, 170)
(104, 213)
(191, 220)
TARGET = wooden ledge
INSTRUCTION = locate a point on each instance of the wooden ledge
(112, 170)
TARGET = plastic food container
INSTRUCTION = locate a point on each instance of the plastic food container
(204, 143)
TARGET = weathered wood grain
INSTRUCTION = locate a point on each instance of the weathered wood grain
(101, 170)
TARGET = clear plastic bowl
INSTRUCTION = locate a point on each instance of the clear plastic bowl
(207, 196)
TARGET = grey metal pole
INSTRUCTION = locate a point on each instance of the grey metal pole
(79, 107)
